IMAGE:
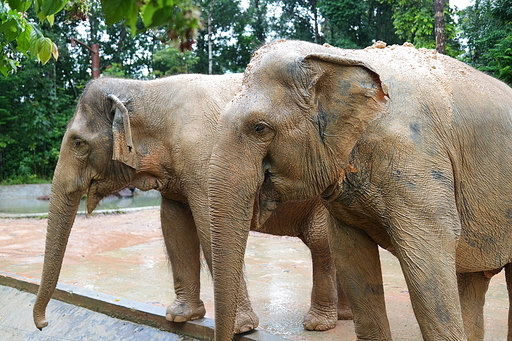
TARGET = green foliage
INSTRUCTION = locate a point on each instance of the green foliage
(35, 105)
(413, 21)
(114, 70)
(500, 60)
(233, 38)
(170, 61)
(296, 20)
(19, 35)
(487, 28)
(16, 30)
(24, 179)
(34, 114)
(180, 16)
(357, 23)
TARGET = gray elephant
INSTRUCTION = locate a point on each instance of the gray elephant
(409, 149)
(157, 135)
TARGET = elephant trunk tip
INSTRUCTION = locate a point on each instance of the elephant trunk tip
(40, 321)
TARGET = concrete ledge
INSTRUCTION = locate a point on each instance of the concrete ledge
(95, 212)
(139, 313)
(25, 191)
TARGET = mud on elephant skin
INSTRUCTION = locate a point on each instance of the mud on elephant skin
(157, 135)
(400, 144)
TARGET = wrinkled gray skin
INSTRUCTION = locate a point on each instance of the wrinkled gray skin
(409, 149)
(157, 135)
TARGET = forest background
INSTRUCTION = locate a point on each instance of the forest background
(37, 100)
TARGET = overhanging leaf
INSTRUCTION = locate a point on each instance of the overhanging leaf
(51, 19)
(45, 50)
(116, 10)
(20, 5)
(50, 7)
(55, 51)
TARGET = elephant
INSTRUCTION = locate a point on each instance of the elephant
(158, 134)
(409, 149)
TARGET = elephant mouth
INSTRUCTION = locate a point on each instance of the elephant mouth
(94, 196)
(267, 201)
(331, 193)
(98, 191)
(334, 190)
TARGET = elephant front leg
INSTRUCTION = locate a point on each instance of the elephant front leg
(472, 289)
(246, 319)
(182, 244)
(358, 265)
(426, 248)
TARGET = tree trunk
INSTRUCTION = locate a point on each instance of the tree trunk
(259, 25)
(315, 18)
(210, 39)
(439, 25)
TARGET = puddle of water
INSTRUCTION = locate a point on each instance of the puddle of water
(32, 205)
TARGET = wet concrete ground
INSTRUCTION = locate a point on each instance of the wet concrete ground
(123, 255)
(73, 323)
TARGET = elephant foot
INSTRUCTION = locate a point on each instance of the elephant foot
(185, 311)
(246, 321)
(345, 313)
(320, 320)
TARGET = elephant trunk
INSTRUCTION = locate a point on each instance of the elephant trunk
(62, 211)
(232, 191)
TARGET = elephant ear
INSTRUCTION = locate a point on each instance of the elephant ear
(123, 149)
(347, 94)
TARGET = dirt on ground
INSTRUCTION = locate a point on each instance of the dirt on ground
(22, 239)
(123, 254)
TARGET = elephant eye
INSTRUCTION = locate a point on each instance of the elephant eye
(260, 127)
(78, 143)
(262, 131)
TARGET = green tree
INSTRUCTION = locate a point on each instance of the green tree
(35, 106)
(296, 20)
(19, 35)
(358, 23)
(414, 21)
(171, 61)
(487, 29)
(231, 40)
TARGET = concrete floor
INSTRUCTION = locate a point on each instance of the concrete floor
(123, 255)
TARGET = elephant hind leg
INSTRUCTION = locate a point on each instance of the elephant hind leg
(185, 311)
(344, 308)
(472, 289)
(325, 303)
(182, 244)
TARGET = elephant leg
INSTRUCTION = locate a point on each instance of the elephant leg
(246, 318)
(182, 244)
(427, 258)
(323, 313)
(344, 307)
(357, 260)
(472, 289)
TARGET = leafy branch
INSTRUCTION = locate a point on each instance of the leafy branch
(18, 35)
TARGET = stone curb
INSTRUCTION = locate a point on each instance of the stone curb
(128, 310)
(95, 212)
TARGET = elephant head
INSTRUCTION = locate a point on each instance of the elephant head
(98, 156)
(288, 134)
